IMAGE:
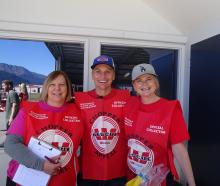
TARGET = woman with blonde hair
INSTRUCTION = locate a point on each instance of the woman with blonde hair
(155, 128)
(23, 94)
(54, 120)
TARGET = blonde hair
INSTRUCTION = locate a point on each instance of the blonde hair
(23, 88)
(53, 75)
(157, 91)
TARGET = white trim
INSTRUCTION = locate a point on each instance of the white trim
(41, 36)
(11, 27)
(140, 43)
(181, 69)
(94, 51)
(85, 66)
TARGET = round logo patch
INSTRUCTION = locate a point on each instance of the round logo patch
(139, 156)
(62, 141)
(104, 134)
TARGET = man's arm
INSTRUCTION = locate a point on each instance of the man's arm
(13, 109)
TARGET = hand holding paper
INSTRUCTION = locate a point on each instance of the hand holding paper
(154, 176)
(52, 165)
(27, 176)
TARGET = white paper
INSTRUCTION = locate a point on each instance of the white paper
(27, 176)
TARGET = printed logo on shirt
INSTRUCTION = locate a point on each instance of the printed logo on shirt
(118, 104)
(60, 140)
(139, 156)
(104, 134)
(128, 122)
(71, 119)
(37, 115)
(156, 129)
(87, 105)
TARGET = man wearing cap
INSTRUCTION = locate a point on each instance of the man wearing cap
(103, 146)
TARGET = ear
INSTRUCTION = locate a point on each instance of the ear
(114, 76)
(93, 75)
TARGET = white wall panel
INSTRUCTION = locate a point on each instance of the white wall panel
(123, 15)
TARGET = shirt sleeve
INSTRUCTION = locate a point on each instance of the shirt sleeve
(14, 146)
(178, 128)
(14, 97)
(17, 125)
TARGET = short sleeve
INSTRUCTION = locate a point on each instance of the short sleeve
(178, 128)
(13, 97)
(17, 126)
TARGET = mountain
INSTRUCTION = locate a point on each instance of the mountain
(20, 74)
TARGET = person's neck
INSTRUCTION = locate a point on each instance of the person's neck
(149, 100)
(103, 92)
(7, 90)
(55, 104)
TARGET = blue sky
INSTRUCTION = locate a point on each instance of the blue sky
(32, 55)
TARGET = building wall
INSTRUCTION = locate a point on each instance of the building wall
(205, 31)
(126, 15)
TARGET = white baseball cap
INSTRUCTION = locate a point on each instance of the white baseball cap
(142, 69)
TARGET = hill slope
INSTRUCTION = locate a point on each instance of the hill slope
(20, 74)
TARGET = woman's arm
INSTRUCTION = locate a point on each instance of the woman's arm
(19, 152)
(182, 157)
(15, 148)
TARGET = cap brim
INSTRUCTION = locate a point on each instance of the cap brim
(93, 66)
(144, 74)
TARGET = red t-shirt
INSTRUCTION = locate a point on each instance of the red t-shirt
(103, 144)
(151, 129)
(61, 127)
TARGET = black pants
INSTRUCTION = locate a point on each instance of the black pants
(9, 182)
(114, 182)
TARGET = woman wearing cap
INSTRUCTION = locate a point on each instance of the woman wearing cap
(155, 128)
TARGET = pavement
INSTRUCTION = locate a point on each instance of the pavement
(2, 138)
